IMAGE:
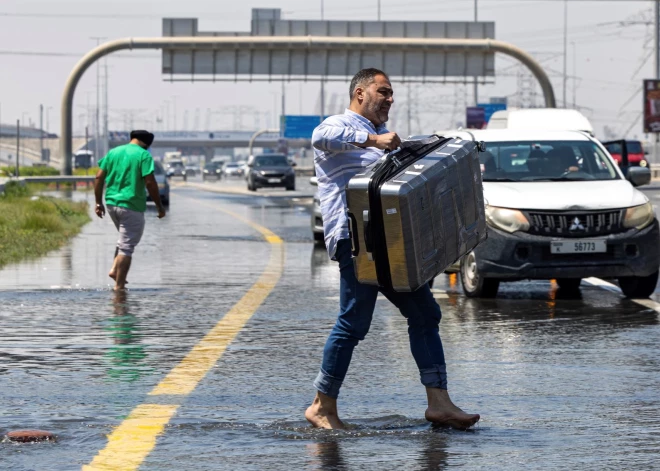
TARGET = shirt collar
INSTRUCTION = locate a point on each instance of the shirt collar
(363, 119)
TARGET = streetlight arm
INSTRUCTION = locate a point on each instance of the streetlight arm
(257, 134)
(308, 43)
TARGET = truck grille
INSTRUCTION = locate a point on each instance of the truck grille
(574, 224)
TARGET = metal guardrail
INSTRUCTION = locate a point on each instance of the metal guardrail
(62, 179)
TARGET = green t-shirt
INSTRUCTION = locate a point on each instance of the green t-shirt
(125, 168)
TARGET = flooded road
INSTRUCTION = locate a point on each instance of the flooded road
(560, 383)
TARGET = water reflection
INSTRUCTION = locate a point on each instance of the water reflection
(67, 265)
(326, 455)
(434, 455)
(429, 451)
(127, 355)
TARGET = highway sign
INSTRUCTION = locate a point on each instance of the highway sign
(490, 108)
(298, 126)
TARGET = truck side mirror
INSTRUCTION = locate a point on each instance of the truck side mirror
(639, 176)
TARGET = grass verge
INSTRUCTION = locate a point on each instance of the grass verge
(31, 226)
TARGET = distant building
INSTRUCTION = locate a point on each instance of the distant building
(7, 130)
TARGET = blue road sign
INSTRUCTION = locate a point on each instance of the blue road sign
(490, 108)
(298, 126)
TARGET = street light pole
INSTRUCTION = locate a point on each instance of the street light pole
(476, 85)
(656, 19)
(574, 74)
(41, 132)
(18, 145)
(657, 39)
(97, 123)
(565, 49)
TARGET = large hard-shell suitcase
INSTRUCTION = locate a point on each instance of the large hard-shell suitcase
(416, 211)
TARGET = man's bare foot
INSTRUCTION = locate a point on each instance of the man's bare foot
(442, 411)
(323, 413)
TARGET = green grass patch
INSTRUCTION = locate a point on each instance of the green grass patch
(30, 227)
(38, 171)
(82, 171)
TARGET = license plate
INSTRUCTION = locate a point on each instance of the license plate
(578, 246)
(274, 180)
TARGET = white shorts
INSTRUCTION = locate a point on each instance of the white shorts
(130, 225)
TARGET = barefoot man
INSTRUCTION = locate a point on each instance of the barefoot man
(125, 171)
(344, 145)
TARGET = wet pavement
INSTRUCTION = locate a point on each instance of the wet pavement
(560, 382)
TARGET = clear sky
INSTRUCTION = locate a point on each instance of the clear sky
(610, 51)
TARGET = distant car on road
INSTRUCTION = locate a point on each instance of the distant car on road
(232, 169)
(270, 170)
(163, 185)
(176, 168)
(193, 170)
(636, 153)
(213, 171)
(243, 166)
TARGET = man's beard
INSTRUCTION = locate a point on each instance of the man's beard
(377, 110)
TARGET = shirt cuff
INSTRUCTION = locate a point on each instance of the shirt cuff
(361, 137)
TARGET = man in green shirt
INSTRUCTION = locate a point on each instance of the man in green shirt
(125, 172)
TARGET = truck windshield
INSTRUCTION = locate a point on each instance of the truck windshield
(545, 160)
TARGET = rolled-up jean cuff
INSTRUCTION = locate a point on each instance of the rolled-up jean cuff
(327, 385)
(434, 377)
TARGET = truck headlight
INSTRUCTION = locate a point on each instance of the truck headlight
(643, 163)
(508, 220)
(639, 216)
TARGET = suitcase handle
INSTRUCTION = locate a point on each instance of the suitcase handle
(368, 246)
(353, 233)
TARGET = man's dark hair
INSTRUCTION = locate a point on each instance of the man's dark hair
(364, 78)
(143, 136)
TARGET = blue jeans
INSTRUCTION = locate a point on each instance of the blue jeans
(356, 306)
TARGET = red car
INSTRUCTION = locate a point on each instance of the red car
(636, 154)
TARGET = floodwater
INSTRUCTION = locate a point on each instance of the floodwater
(560, 383)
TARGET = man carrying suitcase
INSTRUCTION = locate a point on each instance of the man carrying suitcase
(344, 145)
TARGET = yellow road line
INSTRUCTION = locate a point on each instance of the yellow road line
(132, 441)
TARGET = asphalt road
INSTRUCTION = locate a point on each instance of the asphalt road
(207, 362)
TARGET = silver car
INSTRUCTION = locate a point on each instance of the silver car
(317, 219)
(232, 169)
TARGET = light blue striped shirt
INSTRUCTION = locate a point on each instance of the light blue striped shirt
(337, 160)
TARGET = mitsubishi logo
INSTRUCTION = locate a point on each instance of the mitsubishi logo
(576, 225)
